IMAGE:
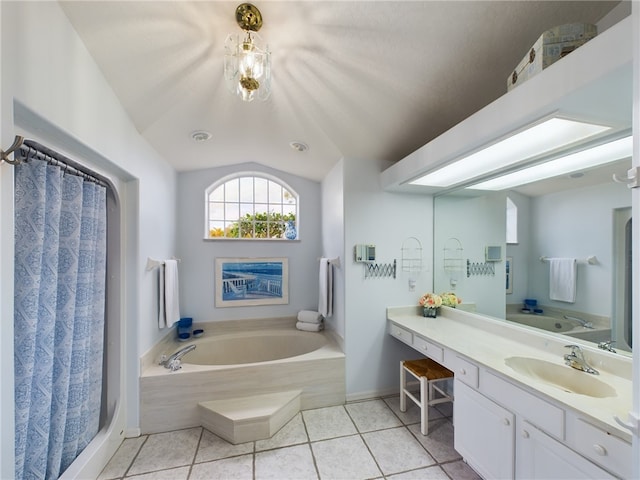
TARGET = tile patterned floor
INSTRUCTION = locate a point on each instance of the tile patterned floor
(370, 439)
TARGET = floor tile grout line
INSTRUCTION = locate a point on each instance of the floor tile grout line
(309, 442)
(375, 460)
(135, 457)
(313, 456)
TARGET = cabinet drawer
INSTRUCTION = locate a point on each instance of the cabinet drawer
(465, 371)
(602, 448)
(401, 334)
(429, 349)
(539, 412)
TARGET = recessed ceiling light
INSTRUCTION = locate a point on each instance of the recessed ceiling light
(299, 146)
(200, 136)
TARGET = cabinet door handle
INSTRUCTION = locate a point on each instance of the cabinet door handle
(506, 421)
(463, 371)
(525, 434)
(599, 449)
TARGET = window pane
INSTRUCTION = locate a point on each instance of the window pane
(246, 189)
(261, 230)
(276, 211)
(216, 229)
(261, 190)
(216, 211)
(232, 211)
(262, 208)
(289, 210)
(275, 192)
(246, 209)
(232, 192)
(231, 229)
(217, 195)
(288, 197)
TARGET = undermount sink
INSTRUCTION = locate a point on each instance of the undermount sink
(560, 376)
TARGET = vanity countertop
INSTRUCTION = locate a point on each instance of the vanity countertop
(488, 342)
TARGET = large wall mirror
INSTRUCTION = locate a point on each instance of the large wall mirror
(584, 215)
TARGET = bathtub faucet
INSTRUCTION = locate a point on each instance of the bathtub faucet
(582, 322)
(172, 362)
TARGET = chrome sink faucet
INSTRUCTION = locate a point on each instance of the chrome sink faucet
(607, 346)
(582, 322)
(576, 360)
(173, 361)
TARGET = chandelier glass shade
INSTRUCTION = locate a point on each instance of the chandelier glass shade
(247, 60)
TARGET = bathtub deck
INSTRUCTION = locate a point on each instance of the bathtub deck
(169, 400)
(247, 419)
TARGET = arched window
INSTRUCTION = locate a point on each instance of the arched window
(251, 205)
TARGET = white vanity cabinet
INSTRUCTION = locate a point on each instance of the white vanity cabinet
(484, 433)
(510, 430)
(540, 456)
(494, 433)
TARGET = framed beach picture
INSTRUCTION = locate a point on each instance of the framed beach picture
(509, 273)
(243, 282)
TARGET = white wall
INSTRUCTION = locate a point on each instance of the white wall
(576, 223)
(372, 216)
(197, 255)
(62, 98)
(333, 241)
(476, 223)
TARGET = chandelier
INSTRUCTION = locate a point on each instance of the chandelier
(247, 60)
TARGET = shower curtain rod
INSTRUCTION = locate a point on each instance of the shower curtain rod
(29, 147)
(17, 143)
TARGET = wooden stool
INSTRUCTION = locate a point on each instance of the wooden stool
(428, 373)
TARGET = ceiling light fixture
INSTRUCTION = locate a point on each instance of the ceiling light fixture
(200, 136)
(591, 157)
(299, 146)
(247, 60)
(540, 138)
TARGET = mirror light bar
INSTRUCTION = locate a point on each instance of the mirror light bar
(538, 139)
(592, 157)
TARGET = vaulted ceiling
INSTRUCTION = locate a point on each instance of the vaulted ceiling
(356, 79)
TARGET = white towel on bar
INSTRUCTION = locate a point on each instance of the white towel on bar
(309, 316)
(562, 279)
(325, 297)
(310, 327)
(168, 296)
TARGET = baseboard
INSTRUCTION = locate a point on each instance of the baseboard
(355, 397)
(132, 433)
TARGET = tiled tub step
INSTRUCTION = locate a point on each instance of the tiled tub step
(240, 420)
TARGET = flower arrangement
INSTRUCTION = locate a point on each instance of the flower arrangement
(450, 299)
(430, 300)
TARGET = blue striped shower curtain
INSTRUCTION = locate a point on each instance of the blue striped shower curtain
(60, 267)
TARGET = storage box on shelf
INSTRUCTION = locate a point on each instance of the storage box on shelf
(550, 47)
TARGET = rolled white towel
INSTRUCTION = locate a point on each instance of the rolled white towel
(310, 327)
(309, 316)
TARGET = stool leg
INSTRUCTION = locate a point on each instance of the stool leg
(403, 383)
(424, 401)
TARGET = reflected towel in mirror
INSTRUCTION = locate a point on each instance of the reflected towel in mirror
(562, 279)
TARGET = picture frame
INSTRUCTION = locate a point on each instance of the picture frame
(244, 282)
(508, 265)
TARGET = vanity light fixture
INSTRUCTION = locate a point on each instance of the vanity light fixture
(591, 157)
(540, 138)
(247, 60)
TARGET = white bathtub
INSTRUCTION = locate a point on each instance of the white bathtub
(240, 364)
(254, 347)
(550, 324)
